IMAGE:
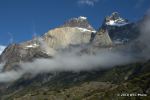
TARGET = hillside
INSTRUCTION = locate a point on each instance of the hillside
(103, 84)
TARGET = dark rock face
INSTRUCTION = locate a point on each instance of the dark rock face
(123, 34)
(81, 22)
(115, 16)
(115, 20)
(119, 29)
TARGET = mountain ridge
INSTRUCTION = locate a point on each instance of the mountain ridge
(76, 31)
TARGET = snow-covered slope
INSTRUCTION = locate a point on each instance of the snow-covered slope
(2, 49)
(85, 30)
(118, 22)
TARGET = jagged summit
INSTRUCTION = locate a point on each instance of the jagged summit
(79, 22)
(120, 30)
(115, 20)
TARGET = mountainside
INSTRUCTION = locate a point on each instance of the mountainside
(90, 85)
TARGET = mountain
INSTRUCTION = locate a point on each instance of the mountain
(120, 30)
(115, 20)
(101, 83)
(74, 32)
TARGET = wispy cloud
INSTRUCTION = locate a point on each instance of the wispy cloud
(11, 40)
(87, 2)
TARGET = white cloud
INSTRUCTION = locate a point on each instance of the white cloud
(69, 61)
(11, 40)
(87, 2)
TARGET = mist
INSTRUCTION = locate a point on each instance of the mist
(69, 61)
(1, 66)
(145, 36)
(10, 76)
(76, 63)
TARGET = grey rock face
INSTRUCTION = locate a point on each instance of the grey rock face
(102, 39)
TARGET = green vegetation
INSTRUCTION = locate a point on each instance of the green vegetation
(108, 84)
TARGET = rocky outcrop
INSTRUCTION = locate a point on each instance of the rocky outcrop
(102, 39)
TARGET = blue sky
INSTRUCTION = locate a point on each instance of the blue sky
(20, 19)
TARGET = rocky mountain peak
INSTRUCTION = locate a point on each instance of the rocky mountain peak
(80, 22)
(115, 16)
(119, 29)
(102, 38)
(115, 20)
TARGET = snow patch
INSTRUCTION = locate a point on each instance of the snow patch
(121, 41)
(118, 22)
(2, 49)
(32, 45)
(82, 17)
(85, 30)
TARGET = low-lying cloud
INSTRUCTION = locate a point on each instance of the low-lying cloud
(73, 62)
(69, 62)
